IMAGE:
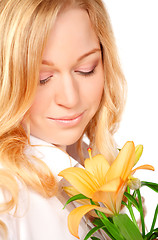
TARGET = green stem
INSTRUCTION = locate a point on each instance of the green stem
(132, 215)
(131, 210)
(141, 212)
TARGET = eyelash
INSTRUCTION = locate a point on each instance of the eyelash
(85, 74)
(44, 81)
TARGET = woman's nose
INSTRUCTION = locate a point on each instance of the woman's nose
(67, 92)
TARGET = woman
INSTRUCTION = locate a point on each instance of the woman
(60, 80)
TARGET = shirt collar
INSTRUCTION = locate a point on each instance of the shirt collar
(55, 158)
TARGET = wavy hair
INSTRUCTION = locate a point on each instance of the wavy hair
(24, 30)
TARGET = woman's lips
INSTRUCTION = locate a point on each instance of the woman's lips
(68, 121)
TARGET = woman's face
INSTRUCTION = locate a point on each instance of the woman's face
(71, 80)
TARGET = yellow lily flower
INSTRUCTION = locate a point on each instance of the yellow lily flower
(101, 182)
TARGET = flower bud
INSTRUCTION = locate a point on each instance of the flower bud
(133, 183)
(138, 152)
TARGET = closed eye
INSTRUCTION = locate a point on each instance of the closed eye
(86, 74)
(45, 80)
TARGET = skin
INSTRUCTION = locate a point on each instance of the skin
(71, 80)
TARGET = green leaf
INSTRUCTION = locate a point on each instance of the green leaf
(132, 200)
(74, 198)
(141, 211)
(152, 235)
(153, 186)
(154, 219)
(125, 204)
(108, 226)
(127, 227)
(129, 207)
(111, 228)
(93, 230)
(95, 238)
(98, 222)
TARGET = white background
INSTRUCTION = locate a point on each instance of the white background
(135, 25)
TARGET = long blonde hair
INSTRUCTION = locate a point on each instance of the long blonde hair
(24, 29)
(104, 124)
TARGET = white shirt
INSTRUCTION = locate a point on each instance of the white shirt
(38, 218)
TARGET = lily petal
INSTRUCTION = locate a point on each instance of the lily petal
(98, 166)
(111, 186)
(119, 197)
(123, 164)
(107, 193)
(76, 215)
(146, 167)
(71, 191)
(81, 179)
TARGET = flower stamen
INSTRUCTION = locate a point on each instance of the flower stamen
(90, 153)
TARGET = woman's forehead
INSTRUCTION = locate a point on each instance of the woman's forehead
(71, 35)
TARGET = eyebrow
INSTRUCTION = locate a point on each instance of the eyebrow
(49, 63)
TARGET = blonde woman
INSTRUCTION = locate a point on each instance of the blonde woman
(60, 79)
